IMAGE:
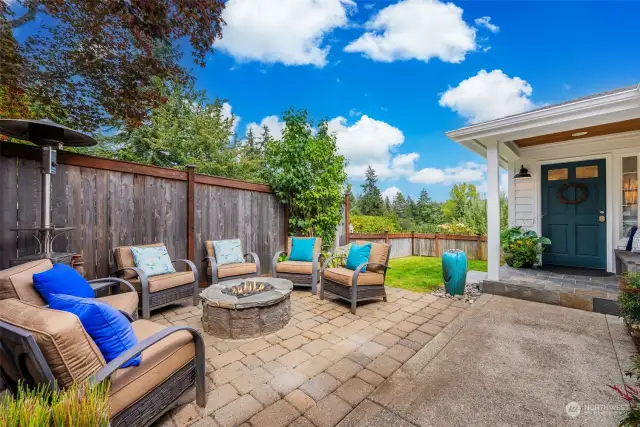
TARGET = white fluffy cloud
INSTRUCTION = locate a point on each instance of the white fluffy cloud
(391, 193)
(487, 96)
(276, 127)
(371, 142)
(465, 172)
(417, 29)
(227, 114)
(287, 31)
(485, 21)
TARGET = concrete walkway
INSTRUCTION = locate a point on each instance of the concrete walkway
(508, 362)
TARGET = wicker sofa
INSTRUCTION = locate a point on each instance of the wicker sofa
(300, 273)
(17, 282)
(43, 346)
(216, 272)
(353, 285)
(156, 291)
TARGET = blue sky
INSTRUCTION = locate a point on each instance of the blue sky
(393, 76)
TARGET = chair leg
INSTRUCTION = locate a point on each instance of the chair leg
(384, 297)
(354, 298)
(322, 287)
(314, 282)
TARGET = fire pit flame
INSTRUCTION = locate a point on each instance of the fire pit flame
(248, 288)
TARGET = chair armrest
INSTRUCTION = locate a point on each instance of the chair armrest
(354, 279)
(372, 263)
(256, 260)
(191, 265)
(326, 263)
(139, 272)
(107, 282)
(116, 363)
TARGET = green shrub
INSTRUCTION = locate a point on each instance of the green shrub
(374, 224)
(428, 228)
(78, 405)
(456, 228)
(522, 248)
(629, 297)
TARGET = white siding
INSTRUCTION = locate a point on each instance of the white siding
(523, 202)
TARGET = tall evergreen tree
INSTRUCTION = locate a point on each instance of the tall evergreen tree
(371, 202)
(427, 211)
(399, 205)
(387, 204)
(410, 208)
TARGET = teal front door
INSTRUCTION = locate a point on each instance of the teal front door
(573, 214)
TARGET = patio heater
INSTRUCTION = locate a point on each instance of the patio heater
(50, 137)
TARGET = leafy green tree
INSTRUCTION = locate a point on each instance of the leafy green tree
(306, 173)
(460, 198)
(371, 202)
(410, 208)
(185, 130)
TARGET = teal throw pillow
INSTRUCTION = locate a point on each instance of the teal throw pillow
(358, 254)
(228, 251)
(302, 249)
(153, 261)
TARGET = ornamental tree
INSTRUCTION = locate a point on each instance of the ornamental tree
(307, 174)
(93, 62)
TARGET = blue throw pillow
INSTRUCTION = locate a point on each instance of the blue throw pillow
(302, 249)
(357, 255)
(62, 279)
(108, 328)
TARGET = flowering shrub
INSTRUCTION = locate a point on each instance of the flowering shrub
(522, 249)
(456, 228)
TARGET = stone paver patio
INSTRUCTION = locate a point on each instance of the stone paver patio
(317, 369)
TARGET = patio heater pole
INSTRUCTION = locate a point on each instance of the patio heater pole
(48, 163)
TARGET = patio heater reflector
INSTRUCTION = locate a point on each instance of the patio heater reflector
(51, 137)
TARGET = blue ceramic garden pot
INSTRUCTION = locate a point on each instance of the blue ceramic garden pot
(454, 271)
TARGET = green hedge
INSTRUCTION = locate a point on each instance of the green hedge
(374, 224)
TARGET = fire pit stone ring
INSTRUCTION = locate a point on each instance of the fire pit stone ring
(264, 312)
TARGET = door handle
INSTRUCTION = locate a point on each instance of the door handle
(601, 218)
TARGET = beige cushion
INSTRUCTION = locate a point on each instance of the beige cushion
(124, 258)
(228, 270)
(159, 362)
(295, 267)
(162, 282)
(379, 252)
(124, 301)
(317, 246)
(69, 351)
(344, 276)
(17, 282)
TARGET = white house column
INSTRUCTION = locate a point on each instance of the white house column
(493, 211)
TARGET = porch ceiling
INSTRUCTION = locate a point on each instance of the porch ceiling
(580, 133)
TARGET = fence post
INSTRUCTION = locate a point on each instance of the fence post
(412, 243)
(386, 237)
(286, 226)
(437, 246)
(479, 252)
(347, 216)
(191, 209)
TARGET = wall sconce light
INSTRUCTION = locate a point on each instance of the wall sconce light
(524, 173)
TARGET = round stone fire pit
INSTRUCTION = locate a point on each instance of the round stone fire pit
(246, 308)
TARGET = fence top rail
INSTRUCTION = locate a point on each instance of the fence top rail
(9, 149)
(417, 236)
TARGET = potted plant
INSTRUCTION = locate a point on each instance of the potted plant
(522, 249)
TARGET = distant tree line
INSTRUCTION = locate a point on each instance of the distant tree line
(465, 212)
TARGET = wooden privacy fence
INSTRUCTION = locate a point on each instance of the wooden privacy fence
(421, 244)
(113, 203)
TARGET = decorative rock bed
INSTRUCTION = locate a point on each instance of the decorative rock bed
(228, 316)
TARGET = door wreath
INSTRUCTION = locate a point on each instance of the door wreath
(583, 194)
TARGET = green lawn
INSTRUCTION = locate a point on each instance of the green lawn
(421, 274)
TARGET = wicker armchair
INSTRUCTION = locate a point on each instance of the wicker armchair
(17, 282)
(157, 291)
(216, 272)
(354, 285)
(50, 347)
(299, 272)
